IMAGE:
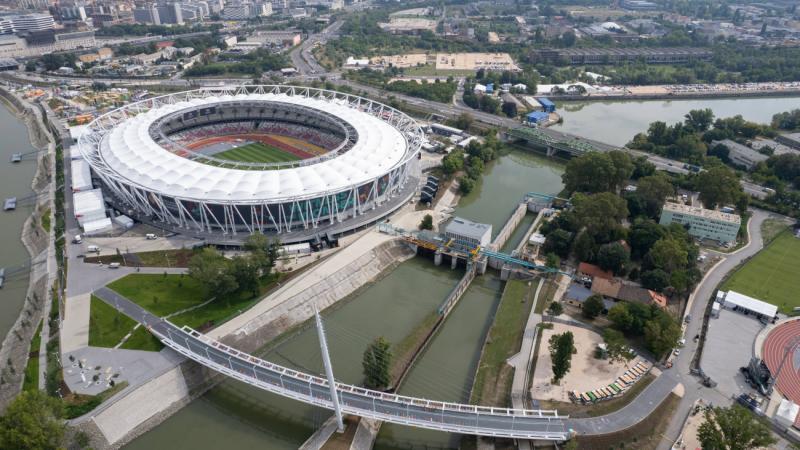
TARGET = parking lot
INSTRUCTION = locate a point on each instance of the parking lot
(729, 346)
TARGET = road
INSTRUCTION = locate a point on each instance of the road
(696, 309)
(421, 413)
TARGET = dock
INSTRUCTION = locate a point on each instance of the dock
(16, 157)
(10, 204)
(2, 276)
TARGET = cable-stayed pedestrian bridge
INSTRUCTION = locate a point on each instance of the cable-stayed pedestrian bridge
(452, 417)
(311, 389)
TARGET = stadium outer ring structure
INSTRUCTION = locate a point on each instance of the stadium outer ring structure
(295, 217)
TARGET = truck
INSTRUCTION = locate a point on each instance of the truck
(77, 239)
(93, 249)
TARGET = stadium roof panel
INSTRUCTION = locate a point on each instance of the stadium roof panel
(130, 151)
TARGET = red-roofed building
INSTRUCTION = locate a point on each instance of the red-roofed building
(593, 271)
(164, 44)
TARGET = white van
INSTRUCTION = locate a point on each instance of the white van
(93, 249)
(77, 239)
(150, 236)
(114, 265)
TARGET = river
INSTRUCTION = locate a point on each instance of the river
(616, 122)
(15, 181)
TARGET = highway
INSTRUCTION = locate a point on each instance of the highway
(311, 389)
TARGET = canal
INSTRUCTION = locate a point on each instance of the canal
(15, 181)
(616, 122)
(237, 415)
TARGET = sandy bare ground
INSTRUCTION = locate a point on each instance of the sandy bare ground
(586, 373)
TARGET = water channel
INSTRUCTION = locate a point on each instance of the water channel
(616, 122)
(15, 182)
(233, 415)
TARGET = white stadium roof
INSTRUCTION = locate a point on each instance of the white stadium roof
(130, 151)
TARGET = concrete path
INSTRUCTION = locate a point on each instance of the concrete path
(521, 362)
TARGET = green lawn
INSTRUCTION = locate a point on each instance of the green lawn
(163, 295)
(31, 382)
(256, 152)
(107, 327)
(492, 386)
(772, 274)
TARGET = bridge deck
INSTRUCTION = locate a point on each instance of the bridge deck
(416, 412)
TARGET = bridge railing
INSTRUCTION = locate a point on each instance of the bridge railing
(355, 389)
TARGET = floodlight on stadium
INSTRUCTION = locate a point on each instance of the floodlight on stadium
(294, 161)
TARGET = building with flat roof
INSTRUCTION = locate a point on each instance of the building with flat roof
(649, 55)
(702, 223)
(792, 140)
(741, 155)
(469, 233)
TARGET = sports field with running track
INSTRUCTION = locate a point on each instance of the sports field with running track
(256, 152)
(772, 274)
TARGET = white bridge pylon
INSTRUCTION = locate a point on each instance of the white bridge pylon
(314, 390)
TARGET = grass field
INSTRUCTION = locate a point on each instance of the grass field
(31, 382)
(772, 274)
(256, 152)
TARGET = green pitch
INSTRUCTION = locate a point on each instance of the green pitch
(256, 152)
(772, 275)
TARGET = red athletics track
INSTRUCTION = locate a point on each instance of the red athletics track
(251, 137)
(788, 382)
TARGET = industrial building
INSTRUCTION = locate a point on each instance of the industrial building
(702, 223)
(791, 140)
(657, 55)
(536, 117)
(741, 155)
(469, 233)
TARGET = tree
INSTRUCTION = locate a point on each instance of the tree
(552, 261)
(592, 306)
(584, 247)
(623, 168)
(621, 316)
(643, 235)
(733, 428)
(642, 168)
(655, 280)
(558, 242)
(33, 420)
(669, 254)
(718, 186)
(601, 214)
(661, 333)
(426, 223)
(591, 172)
(561, 347)
(614, 257)
(212, 270)
(617, 348)
(555, 309)
(263, 252)
(510, 109)
(654, 190)
(464, 121)
(569, 38)
(245, 272)
(699, 120)
(376, 363)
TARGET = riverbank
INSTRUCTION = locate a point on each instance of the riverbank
(38, 241)
(656, 94)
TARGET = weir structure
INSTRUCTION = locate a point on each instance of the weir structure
(315, 390)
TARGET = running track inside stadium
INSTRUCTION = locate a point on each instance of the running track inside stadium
(272, 142)
(788, 382)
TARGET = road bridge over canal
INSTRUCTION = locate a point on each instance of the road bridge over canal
(314, 390)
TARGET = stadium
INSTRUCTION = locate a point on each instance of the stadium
(226, 162)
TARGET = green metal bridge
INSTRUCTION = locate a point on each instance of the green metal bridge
(555, 141)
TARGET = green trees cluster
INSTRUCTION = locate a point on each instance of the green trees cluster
(651, 192)
(376, 364)
(561, 347)
(660, 330)
(138, 29)
(426, 223)
(789, 120)
(668, 257)
(689, 140)
(592, 306)
(733, 428)
(472, 161)
(598, 172)
(253, 64)
(222, 277)
(33, 421)
(439, 91)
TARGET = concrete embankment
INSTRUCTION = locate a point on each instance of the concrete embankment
(676, 96)
(506, 232)
(137, 411)
(14, 352)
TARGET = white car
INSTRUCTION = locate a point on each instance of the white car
(677, 351)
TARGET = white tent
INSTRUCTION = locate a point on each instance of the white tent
(89, 206)
(751, 304)
(81, 175)
(96, 226)
(787, 413)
